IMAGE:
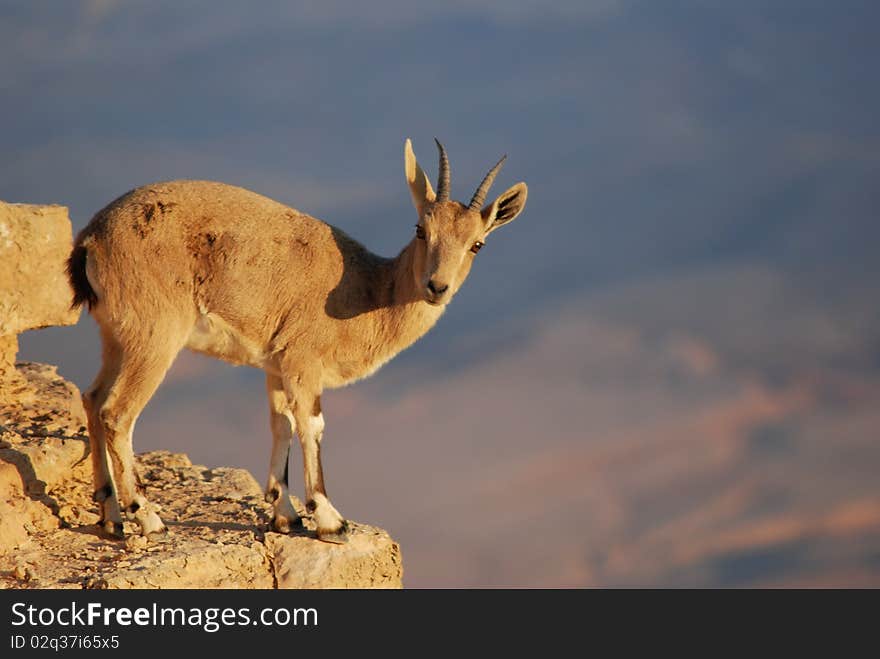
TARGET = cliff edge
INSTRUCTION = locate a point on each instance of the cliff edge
(218, 522)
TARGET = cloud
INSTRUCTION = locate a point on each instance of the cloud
(594, 451)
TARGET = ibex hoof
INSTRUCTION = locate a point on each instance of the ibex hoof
(285, 525)
(113, 529)
(339, 537)
(158, 534)
(151, 525)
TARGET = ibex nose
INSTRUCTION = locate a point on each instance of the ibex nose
(436, 288)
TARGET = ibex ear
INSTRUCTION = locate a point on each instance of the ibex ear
(506, 207)
(419, 185)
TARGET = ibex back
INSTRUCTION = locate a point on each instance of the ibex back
(232, 274)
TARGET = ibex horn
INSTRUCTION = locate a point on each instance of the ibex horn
(443, 175)
(480, 195)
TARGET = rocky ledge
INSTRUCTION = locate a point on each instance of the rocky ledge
(218, 521)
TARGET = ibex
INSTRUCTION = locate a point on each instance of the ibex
(235, 275)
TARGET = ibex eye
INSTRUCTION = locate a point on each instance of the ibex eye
(420, 232)
(477, 246)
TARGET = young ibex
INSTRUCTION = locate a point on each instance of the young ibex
(232, 274)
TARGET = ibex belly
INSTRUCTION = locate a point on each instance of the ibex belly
(341, 373)
(213, 336)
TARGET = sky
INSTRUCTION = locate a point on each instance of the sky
(665, 372)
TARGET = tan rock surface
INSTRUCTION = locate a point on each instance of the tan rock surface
(370, 559)
(35, 242)
(217, 518)
(8, 350)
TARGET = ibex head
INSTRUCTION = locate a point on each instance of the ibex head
(448, 233)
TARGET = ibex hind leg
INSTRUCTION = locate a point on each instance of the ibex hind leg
(104, 493)
(140, 372)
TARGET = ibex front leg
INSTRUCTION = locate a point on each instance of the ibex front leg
(283, 425)
(332, 527)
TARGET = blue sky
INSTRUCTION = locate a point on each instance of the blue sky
(695, 168)
(653, 135)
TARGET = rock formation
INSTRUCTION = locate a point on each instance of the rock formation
(218, 521)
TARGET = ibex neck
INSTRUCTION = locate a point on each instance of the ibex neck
(409, 315)
(380, 313)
